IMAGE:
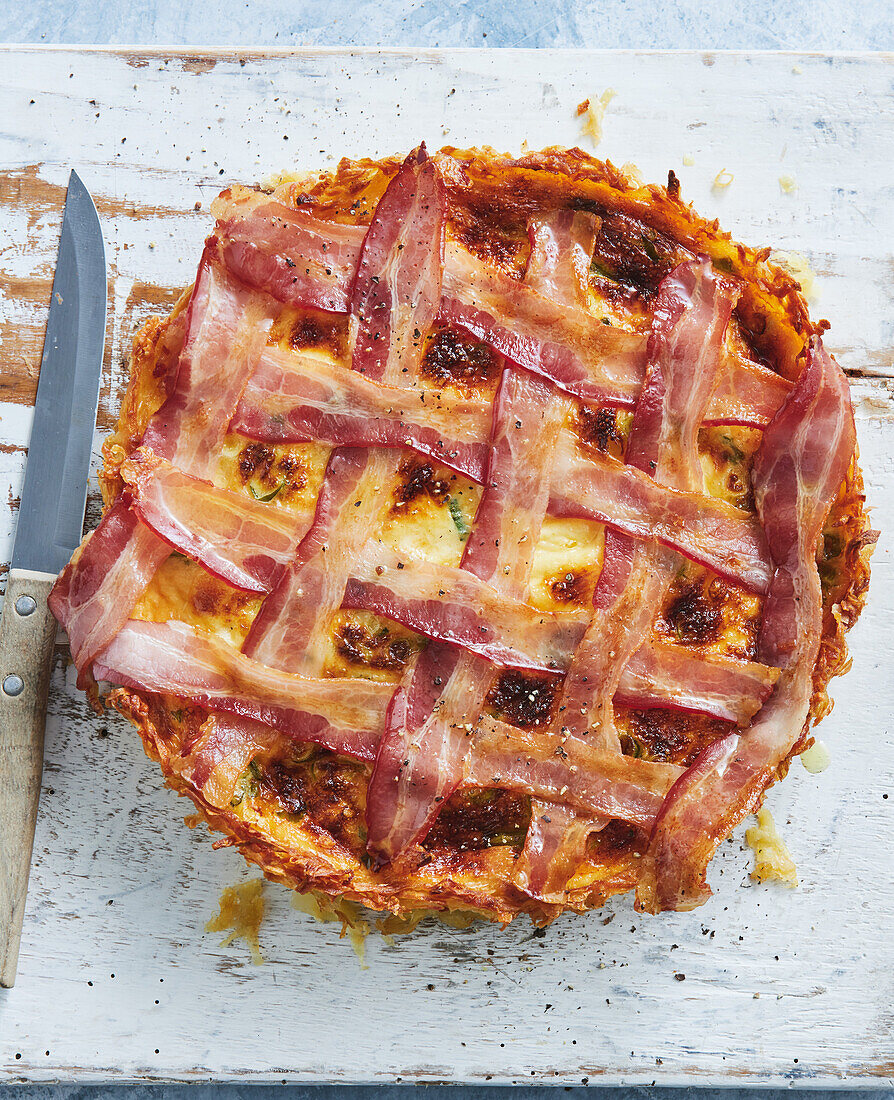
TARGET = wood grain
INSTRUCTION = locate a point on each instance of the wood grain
(27, 630)
(762, 986)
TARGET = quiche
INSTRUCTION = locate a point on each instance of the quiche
(481, 533)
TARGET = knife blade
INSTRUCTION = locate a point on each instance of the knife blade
(50, 524)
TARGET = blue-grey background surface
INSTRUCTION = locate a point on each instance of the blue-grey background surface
(722, 24)
(603, 24)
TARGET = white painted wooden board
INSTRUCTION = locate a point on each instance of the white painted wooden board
(117, 978)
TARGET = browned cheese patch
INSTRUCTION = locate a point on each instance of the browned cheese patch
(460, 362)
(526, 701)
(472, 819)
(368, 646)
(669, 736)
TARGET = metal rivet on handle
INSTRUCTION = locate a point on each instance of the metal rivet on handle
(13, 685)
(26, 605)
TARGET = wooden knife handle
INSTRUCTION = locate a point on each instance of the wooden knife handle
(27, 632)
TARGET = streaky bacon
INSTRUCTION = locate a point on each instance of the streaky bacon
(426, 740)
(705, 529)
(290, 630)
(243, 542)
(400, 265)
(213, 763)
(452, 605)
(527, 418)
(629, 589)
(555, 846)
(226, 329)
(689, 323)
(555, 340)
(598, 363)
(692, 312)
(801, 462)
(562, 244)
(95, 593)
(173, 658)
(660, 674)
(289, 254)
(397, 286)
(295, 398)
(566, 770)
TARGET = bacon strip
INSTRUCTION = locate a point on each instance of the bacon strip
(452, 605)
(692, 312)
(397, 287)
(568, 771)
(400, 264)
(213, 764)
(562, 246)
(95, 592)
(802, 460)
(173, 658)
(308, 262)
(554, 848)
(227, 328)
(598, 363)
(659, 674)
(291, 629)
(289, 254)
(705, 529)
(421, 755)
(244, 543)
(293, 399)
(320, 400)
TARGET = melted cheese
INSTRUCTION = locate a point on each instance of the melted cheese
(567, 548)
(430, 529)
(816, 759)
(772, 859)
(241, 912)
(184, 590)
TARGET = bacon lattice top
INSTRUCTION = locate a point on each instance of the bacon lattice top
(387, 287)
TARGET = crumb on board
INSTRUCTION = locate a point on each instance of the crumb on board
(816, 759)
(788, 184)
(772, 859)
(688, 160)
(722, 180)
(798, 266)
(241, 911)
(192, 821)
(593, 115)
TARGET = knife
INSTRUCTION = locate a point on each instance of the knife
(51, 521)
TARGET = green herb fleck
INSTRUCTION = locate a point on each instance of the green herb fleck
(265, 498)
(248, 787)
(651, 250)
(733, 451)
(603, 272)
(459, 520)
